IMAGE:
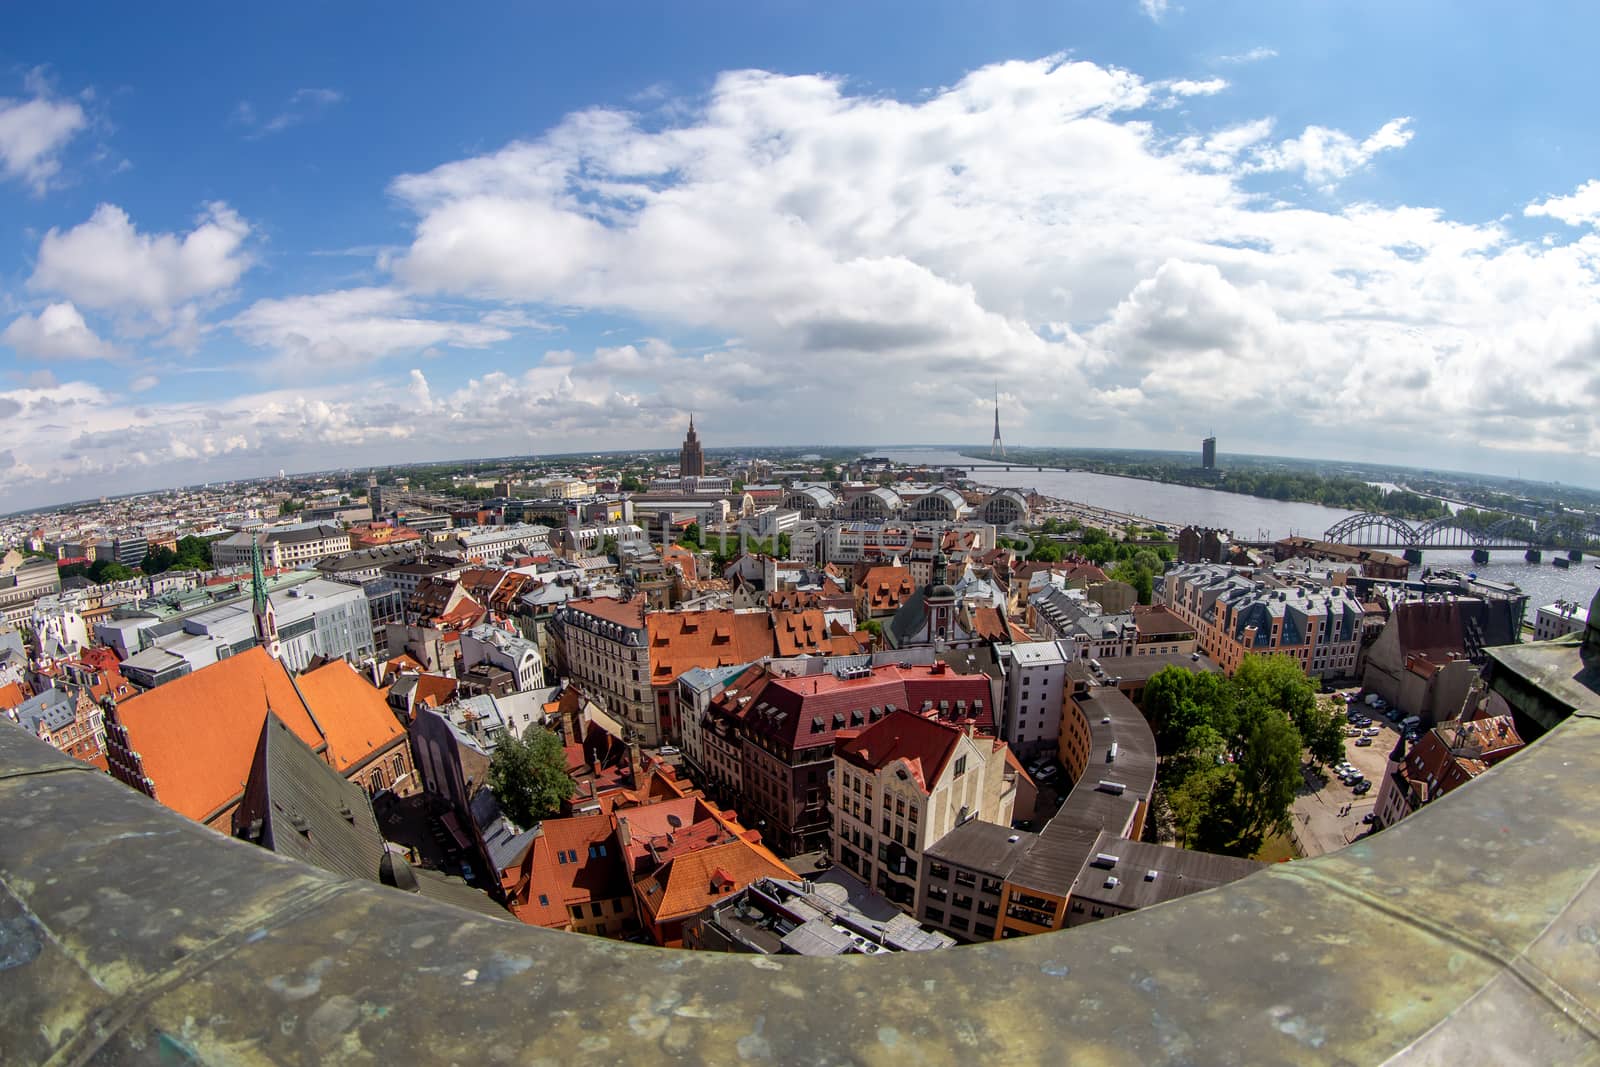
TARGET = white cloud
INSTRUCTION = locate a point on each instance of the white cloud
(1581, 208)
(105, 263)
(1253, 55)
(336, 330)
(57, 332)
(880, 263)
(1328, 156)
(1155, 10)
(1189, 87)
(143, 383)
(33, 131)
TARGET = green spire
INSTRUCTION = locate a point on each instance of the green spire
(258, 580)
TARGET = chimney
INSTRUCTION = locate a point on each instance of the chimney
(624, 834)
(635, 759)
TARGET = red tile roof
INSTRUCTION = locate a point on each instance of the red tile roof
(816, 709)
(11, 694)
(924, 744)
(800, 633)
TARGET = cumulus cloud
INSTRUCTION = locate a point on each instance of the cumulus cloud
(1327, 156)
(57, 332)
(33, 131)
(330, 331)
(1581, 208)
(105, 263)
(878, 263)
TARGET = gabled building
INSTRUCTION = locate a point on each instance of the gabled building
(297, 806)
(903, 783)
(1444, 758)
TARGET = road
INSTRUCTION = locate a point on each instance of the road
(1321, 821)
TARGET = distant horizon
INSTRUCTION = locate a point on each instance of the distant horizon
(721, 450)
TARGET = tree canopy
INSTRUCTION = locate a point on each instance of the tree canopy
(1232, 746)
(192, 554)
(528, 776)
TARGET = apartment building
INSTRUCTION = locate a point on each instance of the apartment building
(1235, 614)
(902, 784)
(602, 644)
(299, 545)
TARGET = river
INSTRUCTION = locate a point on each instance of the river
(1254, 518)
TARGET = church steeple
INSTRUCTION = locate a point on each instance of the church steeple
(266, 620)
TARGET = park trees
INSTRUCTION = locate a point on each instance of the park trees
(1232, 746)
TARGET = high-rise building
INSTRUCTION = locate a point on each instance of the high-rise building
(691, 461)
(1208, 453)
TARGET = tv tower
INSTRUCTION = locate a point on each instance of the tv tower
(998, 449)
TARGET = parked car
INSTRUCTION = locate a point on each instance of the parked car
(1370, 817)
(1364, 742)
(1371, 731)
(667, 750)
(1045, 774)
(1362, 788)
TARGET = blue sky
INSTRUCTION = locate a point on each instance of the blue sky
(238, 240)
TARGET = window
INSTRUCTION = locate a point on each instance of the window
(544, 901)
(938, 893)
(958, 922)
(561, 856)
(961, 766)
(938, 870)
(933, 915)
(597, 909)
(572, 855)
(597, 851)
(963, 902)
(966, 878)
(984, 930)
(885, 822)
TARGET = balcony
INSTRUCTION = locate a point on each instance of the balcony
(1464, 934)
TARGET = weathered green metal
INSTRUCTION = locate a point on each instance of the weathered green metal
(1468, 933)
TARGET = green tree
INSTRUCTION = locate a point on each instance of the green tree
(528, 776)
(691, 538)
(1268, 778)
(784, 546)
(873, 627)
(158, 559)
(108, 570)
(630, 483)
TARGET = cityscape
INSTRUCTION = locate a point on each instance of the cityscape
(478, 653)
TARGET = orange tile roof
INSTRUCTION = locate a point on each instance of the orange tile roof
(197, 735)
(886, 588)
(689, 882)
(682, 640)
(353, 713)
(623, 612)
(926, 745)
(11, 695)
(799, 633)
(575, 881)
(435, 690)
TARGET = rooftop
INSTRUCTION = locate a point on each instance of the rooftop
(1421, 943)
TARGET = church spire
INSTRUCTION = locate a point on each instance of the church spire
(997, 450)
(266, 620)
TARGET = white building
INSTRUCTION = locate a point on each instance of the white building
(58, 625)
(1036, 673)
(489, 543)
(1559, 619)
(508, 651)
(282, 547)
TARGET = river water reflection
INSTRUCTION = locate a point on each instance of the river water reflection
(1253, 519)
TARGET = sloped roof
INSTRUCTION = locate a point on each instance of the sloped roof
(799, 633)
(11, 695)
(563, 881)
(924, 744)
(196, 735)
(310, 812)
(816, 709)
(628, 613)
(682, 640)
(354, 715)
(886, 588)
(688, 882)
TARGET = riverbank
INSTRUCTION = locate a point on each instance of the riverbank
(1350, 493)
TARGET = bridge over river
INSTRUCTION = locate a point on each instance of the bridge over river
(1366, 530)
